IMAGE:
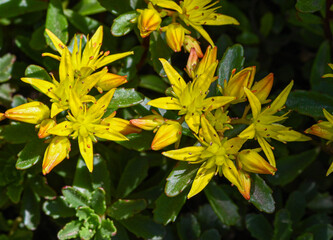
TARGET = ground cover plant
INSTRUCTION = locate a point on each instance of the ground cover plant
(165, 119)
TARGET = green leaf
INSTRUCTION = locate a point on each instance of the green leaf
(82, 176)
(97, 201)
(320, 67)
(153, 83)
(88, 7)
(124, 23)
(30, 209)
(26, 133)
(84, 24)
(321, 231)
(232, 58)
(74, 197)
(15, 8)
(116, 7)
(123, 209)
(107, 229)
(167, 208)
(305, 236)
(321, 202)
(31, 154)
(282, 225)
(14, 192)
(70, 230)
(6, 66)
(123, 98)
(37, 40)
(58, 208)
(23, 43)
(310, 103)
(179, 178)
(261, 195)
(295, 205)
(134, 173)
(139, 141)
(266, 23)
(188, 227)
(143, 226)
(223, 206)
(291, 166)
(84, 212)
(56, 22)
(211, 234)
(259, 227)
(39, 185)
(309, 6)
(158, 49)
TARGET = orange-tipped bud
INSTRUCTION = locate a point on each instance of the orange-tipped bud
(109, 81)
(262, 88)
(246, 183)
(323, 129)
(149, 122)
(45, 125)
(189, 43)
(192, 63)
(166, 135)
(148, 21)
(251, 161)
(207, 61)
(2, 116)
(175, 35)
(121, 125)
(235, 86)
(32, 112)
(55, 153)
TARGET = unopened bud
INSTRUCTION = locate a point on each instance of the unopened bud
(175, 35)
(121, 125)
(149, 122)
(192, 63)
(148, 21)
(2, 116)
(251, 161)
(45, 125)
(189, 43)
(262, 88)
(167, 134)
(109, 81)
(246, 183)
(32, 112)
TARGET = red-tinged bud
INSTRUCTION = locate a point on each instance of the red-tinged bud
(55, 153)
(189, 43)
(148, 21)
(44, 126)
(121, 125)
(2, 116)
(323, 129)
(166, 135)
(192, 63)
(149, 122)
(251, 161)
(109, 81)
(175, 35)
(32, 112)
(262, 88)
(246, 183)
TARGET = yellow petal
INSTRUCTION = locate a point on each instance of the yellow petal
(177, 82)
(121, 125)
(330, 170)
(203, 33)
(57, 108)
(263, 87)
(107, 132)
(267, 150)
(280, 100)
(216, 102)
(248, 133)
(254, 103)
(289, 135)
(168, 103)
(220, 19)
(52, 56)
(64, 129)
(58, 44)
(86, 150)
(185, 154)
(233, 145)
(231, 173)
(97, 110)
(111, 58)
(75, 104)
(43, 86)
(97, 38)
(209, 132)
(44, 126)
(203, 177)
(328, 116)
(83, 86)
(66, 72)
(168, 4)
(166, 135)
(251, 161)
(193, 120)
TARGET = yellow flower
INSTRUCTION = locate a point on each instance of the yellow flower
(190, 99)
(90, 59)
(32, 112)
(44, 126)
(175, 36)
(215, 156)
(197, 13)
(219, 120)
(148, 21)
(59, 91)
(85, 124)
(264, 123)
(55, 153)
(262, 88)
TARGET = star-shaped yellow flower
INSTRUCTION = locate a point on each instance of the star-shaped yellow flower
(86, 124)
(264, 123)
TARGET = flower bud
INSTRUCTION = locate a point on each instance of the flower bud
(55, 153)
(149, 122)
(262, 88)
(167, 134)
(251, 161)
(109, 81)
(148, 21)
(32, 112)
(207, 61)
(175, 35)
(2, 116)
(246, 183)
(45, 125)
(192, 63)
(323, 129)
(189, 43)
(121, 125)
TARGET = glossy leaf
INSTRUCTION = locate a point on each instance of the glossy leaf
(6, 66)
(58, 208)
(123, 24)
(321, 231)
(295, 205)
(282, 225)
(123, 209)
(74, 197)
(88, 7)
(123, 98)
(211, 234)
(116, 7)
(139, 141)
(30, 209)
(27, 132)
(179, 178)
(154, 83)
(85, 24)
(15, 8)
(259, 227)
(261, 195)
(188, 227)
(309, 6)
(70, 230)
(106, 229)
(97, 201)
(34, 71)
(223, 206)
(31, 154)
(14, 192)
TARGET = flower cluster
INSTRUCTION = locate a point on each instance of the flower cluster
(80, 70)
(208, 119)
(190, 13)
